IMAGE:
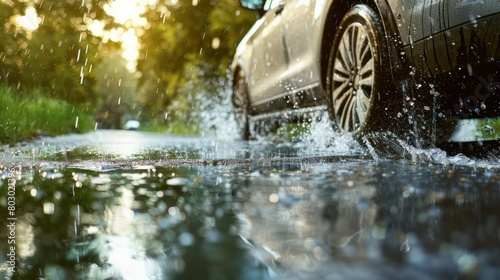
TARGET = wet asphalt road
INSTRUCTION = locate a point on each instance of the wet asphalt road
(121, 148)
(133, 205)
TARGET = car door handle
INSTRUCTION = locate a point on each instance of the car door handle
(280, 8)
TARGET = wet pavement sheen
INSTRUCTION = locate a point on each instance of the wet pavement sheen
(221, 209)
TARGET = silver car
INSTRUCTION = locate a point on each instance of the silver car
(413, 67)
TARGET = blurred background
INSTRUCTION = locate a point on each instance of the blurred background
(79, 65)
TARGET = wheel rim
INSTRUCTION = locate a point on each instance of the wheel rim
(240, 102)
(353, 78)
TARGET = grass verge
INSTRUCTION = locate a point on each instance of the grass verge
(26, 115)
(175, 127)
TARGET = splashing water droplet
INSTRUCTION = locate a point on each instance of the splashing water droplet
(405, 247)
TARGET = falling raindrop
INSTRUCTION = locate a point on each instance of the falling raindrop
(78, 214)
(81, 75)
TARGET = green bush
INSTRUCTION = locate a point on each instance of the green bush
(174, 127)
(24, 115)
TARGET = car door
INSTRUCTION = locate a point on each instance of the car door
(301, 41)
(267, 70)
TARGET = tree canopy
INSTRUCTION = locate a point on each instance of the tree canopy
(185, 49)
(57, 56)
(12, 42)
(187, 41)
(62, 52)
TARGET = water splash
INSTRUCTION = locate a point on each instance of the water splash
(322, 139)
(217, 115)
(385, 145)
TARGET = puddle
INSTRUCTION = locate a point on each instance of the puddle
(252, 220)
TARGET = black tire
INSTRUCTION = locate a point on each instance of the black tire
(241, 105)
(357, 85)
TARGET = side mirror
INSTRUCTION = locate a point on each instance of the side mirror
(255, 5)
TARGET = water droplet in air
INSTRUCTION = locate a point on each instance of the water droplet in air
(405, 247)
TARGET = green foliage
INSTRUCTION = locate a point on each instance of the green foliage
(56, 61)
(28, 114)
(116, 93)
(494, 128)
(12, 42)
(62, 52)
(293, 131)
(174, 127)
(186, 47)
(190, 42)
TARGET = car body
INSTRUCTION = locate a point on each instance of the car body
(132, 125)
(412, 67)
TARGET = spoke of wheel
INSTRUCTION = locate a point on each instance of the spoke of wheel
(365, 51)
(340, 70)
(343, 96)
(366, 78)
(364, 97)
(346, 118)
(354, 45)
(353, 71)
(345, 51)
(363, 102)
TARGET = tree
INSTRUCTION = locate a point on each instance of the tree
(12, 42)
(187, 42)
(62, 52)
(115, 88)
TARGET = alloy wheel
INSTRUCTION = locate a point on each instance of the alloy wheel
(353, 77)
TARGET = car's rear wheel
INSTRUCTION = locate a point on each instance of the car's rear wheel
(356, 71)
(241, 105)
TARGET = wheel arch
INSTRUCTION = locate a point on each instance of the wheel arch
(392, 42)
(235, 71)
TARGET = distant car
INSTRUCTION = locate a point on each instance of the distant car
(132, 125)
(415, 68)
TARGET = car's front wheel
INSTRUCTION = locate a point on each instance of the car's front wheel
(357, 71)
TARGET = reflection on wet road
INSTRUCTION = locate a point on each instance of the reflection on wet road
(131, 146)
(249, 213)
